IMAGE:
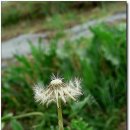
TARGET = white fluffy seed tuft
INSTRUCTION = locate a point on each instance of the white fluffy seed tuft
(56, 81)
(56, 90)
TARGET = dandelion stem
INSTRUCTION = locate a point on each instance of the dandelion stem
(60, 118)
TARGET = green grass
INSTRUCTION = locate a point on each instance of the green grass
(50, 17)
(99, 61)
(13, 12)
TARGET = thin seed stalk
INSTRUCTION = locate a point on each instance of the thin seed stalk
(60, 118)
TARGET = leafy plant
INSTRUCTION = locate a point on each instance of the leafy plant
(80, 125)
(100, 61)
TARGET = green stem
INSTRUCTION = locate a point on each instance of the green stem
(29, 114)
(21, 116)
(60, 118)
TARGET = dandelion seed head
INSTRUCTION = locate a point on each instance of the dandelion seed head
(57, 89)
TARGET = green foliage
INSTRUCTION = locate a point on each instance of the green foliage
(58, 22)
(16, 125)
(13, 12)
(80, 125)
(100, 62)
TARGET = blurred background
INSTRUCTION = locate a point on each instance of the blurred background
(83, 39)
